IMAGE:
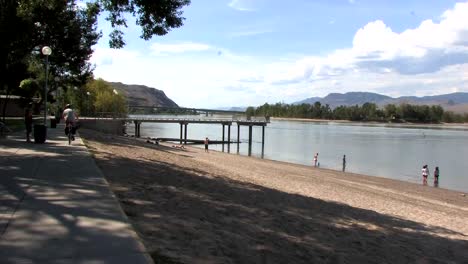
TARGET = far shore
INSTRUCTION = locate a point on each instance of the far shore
(461, 126)
(189, 206)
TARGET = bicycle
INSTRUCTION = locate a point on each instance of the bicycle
(69, 129)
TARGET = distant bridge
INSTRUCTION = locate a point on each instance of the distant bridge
(176, 109)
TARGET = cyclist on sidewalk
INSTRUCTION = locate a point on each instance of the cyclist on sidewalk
(70, 117)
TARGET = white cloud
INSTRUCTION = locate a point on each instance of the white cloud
(107, 56)
(429, 59)
(163, 49)
(189, 80)
(377, 48)
(242, 5)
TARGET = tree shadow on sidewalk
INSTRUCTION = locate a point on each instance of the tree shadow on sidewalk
(55, 206)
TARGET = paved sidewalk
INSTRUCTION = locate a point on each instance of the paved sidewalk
(56, 206)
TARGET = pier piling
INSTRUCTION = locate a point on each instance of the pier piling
(250, 140)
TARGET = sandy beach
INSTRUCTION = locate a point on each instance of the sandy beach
(189, 206)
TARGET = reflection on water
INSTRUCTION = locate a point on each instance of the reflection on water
(379, 150)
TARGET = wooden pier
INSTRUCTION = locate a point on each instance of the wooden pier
(138, 121)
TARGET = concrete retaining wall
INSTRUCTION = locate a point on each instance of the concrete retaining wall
(108, 126)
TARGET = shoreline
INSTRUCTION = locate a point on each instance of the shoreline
(349, 173)
(454, 126)
(195, 207)
(415, 182)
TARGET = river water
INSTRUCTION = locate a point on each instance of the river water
(377, 150)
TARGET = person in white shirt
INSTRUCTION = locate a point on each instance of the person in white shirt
(425, 174)
(70, 117)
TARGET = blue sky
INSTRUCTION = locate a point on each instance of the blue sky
(248, 52)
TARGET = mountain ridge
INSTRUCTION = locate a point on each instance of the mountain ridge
(142, 95)
(448, 101)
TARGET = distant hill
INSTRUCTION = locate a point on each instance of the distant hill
(351, 98)
(142, 95)
(449, 99)
(455, 101)
(310, 100)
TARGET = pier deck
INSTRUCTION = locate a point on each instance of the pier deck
(184, 122)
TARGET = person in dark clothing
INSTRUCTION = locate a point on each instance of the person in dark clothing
(436, 176)
(344, 162)
(207, 141)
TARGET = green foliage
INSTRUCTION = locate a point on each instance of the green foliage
(29, 88)
(69, 31)
(14, 46)
(366, 112)
(28, 25)
(103, 99)
(154, 17)
(250, 111)
(15, 125)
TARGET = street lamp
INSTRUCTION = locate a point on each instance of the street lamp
(46, 51)
(87, 101)
(115, 102)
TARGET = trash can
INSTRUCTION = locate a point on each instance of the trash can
(53, 122)
(40, 133)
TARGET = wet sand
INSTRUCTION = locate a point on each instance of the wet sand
(189, 206)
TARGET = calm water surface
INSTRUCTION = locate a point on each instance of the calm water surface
(392, 152)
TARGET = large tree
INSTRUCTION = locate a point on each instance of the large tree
(14, 48)
(155, 17)
(71, 31)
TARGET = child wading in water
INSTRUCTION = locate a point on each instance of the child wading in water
(425, 174)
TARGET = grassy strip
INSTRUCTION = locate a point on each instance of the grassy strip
(15, 125)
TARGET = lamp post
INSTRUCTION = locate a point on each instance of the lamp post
(46, 51)
(56, 94)
(115, 102)
(87, 102)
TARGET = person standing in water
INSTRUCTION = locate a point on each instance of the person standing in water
(425, 174)
(344, 162)
(436, 176)
(207, 141)
(315, 159)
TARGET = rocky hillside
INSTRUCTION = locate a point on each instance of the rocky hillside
(141, 95)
